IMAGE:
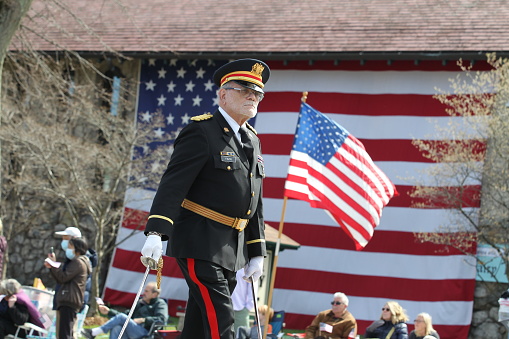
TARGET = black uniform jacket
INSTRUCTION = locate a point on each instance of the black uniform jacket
(209, 167)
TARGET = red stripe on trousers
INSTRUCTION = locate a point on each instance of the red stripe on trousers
(209, 306)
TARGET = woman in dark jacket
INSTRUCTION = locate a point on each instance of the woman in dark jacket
(72, 282)
(391, 324)
(12, 312)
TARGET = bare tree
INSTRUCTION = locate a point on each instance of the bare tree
(472, 163)
(70, 150)
(11, 13)
(68, 147)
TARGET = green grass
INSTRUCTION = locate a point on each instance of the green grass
(172, 325)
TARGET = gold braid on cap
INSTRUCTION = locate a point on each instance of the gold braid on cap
(159, 275)
(254, 76)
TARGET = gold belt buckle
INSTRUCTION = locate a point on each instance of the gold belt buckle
(240, 224)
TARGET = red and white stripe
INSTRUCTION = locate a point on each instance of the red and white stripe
(385, 107)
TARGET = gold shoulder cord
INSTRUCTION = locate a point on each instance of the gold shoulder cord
(159, 275)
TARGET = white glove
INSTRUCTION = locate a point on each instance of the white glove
(153, 247)
(254, 269)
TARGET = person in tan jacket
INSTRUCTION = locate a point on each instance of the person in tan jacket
(335, 323)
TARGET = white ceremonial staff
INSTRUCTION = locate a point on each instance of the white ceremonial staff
(151, 264)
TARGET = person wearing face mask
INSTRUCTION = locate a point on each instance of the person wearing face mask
(69, 297)
(67, 234)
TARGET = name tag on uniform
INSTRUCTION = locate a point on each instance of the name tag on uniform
(227, 158)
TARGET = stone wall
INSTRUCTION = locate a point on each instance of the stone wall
(27, 252)
(485, 324)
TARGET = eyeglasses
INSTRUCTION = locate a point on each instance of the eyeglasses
(385, 309)
(418, 321)
(246, 92)
(335, 302)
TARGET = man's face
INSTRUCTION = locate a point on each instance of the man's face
(338, 306)
(239, 102)
(149, 294)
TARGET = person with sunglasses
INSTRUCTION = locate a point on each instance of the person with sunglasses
(423, 327)
(392, 323)
(208, 205)
(336, 322)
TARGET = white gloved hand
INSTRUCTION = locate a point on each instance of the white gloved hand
(153, 247)
(254, 269)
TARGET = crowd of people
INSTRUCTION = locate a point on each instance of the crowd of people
(339, 323)
(334, 323)
(71, 276)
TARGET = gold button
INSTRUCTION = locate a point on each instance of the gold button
(253, 194)
(250, 175)
(248, 212)
(228, 168)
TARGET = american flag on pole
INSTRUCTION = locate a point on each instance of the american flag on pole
(330, 169)
(385, 105)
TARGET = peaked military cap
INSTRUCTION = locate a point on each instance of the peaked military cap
(249, 73)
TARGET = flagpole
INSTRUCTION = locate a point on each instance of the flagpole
(276, 252)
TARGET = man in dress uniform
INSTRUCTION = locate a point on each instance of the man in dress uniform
(209, 202)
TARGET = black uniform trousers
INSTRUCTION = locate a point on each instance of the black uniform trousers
(209, 311)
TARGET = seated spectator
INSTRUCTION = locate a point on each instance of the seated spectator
(391, 324)
(12, 312)
(150, 309)
(263, 311)
(423, 327)
(343, 323)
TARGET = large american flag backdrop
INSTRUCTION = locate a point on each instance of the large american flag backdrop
(385, 105)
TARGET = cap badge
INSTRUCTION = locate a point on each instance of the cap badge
(257, 69)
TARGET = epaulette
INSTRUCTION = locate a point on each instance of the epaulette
(251, 128)
(202, 117)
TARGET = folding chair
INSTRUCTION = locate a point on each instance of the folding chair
(80, 321)
(43, 300)
(153, 331)
(278, 320)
